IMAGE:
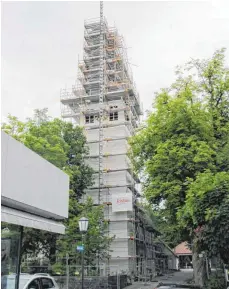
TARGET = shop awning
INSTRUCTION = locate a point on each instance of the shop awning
(20, 218)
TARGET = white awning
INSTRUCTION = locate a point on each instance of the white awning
(20, 218)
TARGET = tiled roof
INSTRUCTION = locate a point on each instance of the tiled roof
(182, 249)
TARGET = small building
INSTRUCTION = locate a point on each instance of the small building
(34, 194)
(184, 254)
(167, 259)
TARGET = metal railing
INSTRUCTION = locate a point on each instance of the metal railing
(69, 276)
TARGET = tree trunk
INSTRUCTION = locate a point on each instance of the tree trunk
(199, 268)
(52, 250)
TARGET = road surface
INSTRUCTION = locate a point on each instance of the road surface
(178, 277)
(182, 276)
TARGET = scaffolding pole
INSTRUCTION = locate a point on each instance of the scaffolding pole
(101, 98)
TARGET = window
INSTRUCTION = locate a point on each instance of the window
(9, 255)
(114, 107)
(114, 114)
(47, 283)
(34, 284)
(89, 119)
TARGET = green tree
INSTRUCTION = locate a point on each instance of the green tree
(184, 138)
(207, 208)
(95, 240)
(63, 145)
(14, 127)
(41, 115)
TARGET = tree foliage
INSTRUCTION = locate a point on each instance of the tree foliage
(95, 240)
(182, 154)
(63, 145)
(206, 212)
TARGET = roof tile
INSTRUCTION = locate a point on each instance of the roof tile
(182, 249)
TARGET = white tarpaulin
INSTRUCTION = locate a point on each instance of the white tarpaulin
(122, 202)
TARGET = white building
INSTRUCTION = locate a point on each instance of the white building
(105, 102)
(34, 194)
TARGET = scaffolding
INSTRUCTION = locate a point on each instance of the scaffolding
(105, 102)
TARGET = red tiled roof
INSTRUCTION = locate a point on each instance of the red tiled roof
(182, 249)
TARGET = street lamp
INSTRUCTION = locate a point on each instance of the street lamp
(83, 225)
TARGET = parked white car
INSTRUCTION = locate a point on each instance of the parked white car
(36, 281)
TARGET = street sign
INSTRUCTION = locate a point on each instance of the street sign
(80, 248)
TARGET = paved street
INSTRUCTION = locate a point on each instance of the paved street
(181, 276)
(178, 277)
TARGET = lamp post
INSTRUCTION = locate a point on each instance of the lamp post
(83, 225)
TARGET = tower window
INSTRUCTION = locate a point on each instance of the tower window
(113, 114)
(89, 119)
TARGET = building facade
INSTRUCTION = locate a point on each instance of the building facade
(34, 194)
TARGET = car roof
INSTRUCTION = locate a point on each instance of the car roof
(28, 276)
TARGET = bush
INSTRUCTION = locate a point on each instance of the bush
(216, 282)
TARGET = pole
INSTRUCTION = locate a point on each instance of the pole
(101, 96)
(207, 268)
(19, 259)
(145, 270)
(67, 270)
(83, 262)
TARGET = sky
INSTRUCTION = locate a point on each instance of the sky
(42, 41)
